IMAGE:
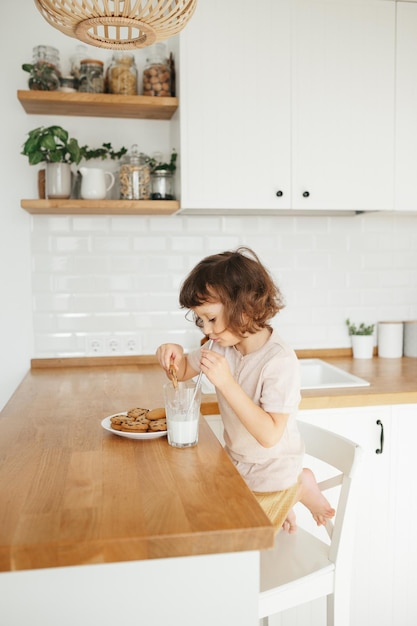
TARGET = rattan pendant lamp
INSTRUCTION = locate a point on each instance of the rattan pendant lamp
(118, 24)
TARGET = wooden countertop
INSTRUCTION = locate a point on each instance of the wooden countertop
(392, 381)
(73, 494)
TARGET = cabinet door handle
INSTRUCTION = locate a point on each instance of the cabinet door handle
(381, 440)
(306, 194)
(279, 194)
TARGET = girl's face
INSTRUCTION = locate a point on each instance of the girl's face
(211, 321)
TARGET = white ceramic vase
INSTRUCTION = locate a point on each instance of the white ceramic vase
(58, 180)
(362, 346)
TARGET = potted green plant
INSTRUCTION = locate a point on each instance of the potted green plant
(362, 338)
(53, 146)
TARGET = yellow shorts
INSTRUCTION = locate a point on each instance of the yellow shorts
(277, 504)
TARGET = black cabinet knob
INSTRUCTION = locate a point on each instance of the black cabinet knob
(279, 194)
(306, 194)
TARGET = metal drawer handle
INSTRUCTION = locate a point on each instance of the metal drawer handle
(381, 444)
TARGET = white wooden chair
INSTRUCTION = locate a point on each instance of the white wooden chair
(301, 567)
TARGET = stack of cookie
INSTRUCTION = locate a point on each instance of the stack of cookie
(140, 421)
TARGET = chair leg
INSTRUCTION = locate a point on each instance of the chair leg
(330, 610)
(338, 613)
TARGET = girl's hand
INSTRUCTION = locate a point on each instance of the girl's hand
(216, 368)
(170, 354)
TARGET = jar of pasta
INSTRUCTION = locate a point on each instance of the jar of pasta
(122, 74)
(135, 176)
(157, 72)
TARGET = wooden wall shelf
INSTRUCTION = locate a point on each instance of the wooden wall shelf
(97, 105)
(100, 207)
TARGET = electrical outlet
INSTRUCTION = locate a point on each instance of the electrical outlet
(131, 345)
(95, 345)
(113, 345)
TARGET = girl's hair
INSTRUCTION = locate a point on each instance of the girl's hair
(241, 283)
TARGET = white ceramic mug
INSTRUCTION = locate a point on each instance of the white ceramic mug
(93, 183)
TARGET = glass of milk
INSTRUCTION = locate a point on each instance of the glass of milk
(182, 407)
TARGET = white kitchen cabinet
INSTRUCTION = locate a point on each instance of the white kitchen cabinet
(404, 511)
(235, 105)
(406, 106)
(343, 105)
(288, 97)
(372, 583)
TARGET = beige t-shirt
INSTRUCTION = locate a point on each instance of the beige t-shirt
(271, 377)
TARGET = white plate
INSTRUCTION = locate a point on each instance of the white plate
(106, 424)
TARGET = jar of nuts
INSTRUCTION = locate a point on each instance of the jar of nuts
(135, 176)
(157, 72)
(122, 74)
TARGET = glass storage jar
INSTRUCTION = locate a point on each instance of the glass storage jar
(122, 74)
(91, 76)
(162, 185)
(135, 176)
(46, 69)
(80, 53)
(157, 72)
(67, 84)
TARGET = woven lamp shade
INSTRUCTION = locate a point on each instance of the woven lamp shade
(118, 24)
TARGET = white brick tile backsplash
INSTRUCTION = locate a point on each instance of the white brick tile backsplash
(111, 243)
(93, 224)
(118, 275)
(186, 244)
(50, 224)
(70, 244)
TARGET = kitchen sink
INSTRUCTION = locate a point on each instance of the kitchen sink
(317, 374)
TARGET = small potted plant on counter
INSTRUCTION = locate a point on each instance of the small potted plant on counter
(362, 338)
(53, 146)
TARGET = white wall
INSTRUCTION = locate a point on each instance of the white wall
(67, 279)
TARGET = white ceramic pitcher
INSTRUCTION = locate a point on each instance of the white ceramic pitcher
(94, 185)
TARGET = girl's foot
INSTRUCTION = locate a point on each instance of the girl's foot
(313, 499)
(289, 524)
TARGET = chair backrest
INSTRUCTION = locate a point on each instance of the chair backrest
(344, 455)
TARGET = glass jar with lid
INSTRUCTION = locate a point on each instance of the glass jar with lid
(91, 76)
(44, 75)
(135, 176)
(157, 72)
(162, 185)
(80, 53)
(122, 74)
